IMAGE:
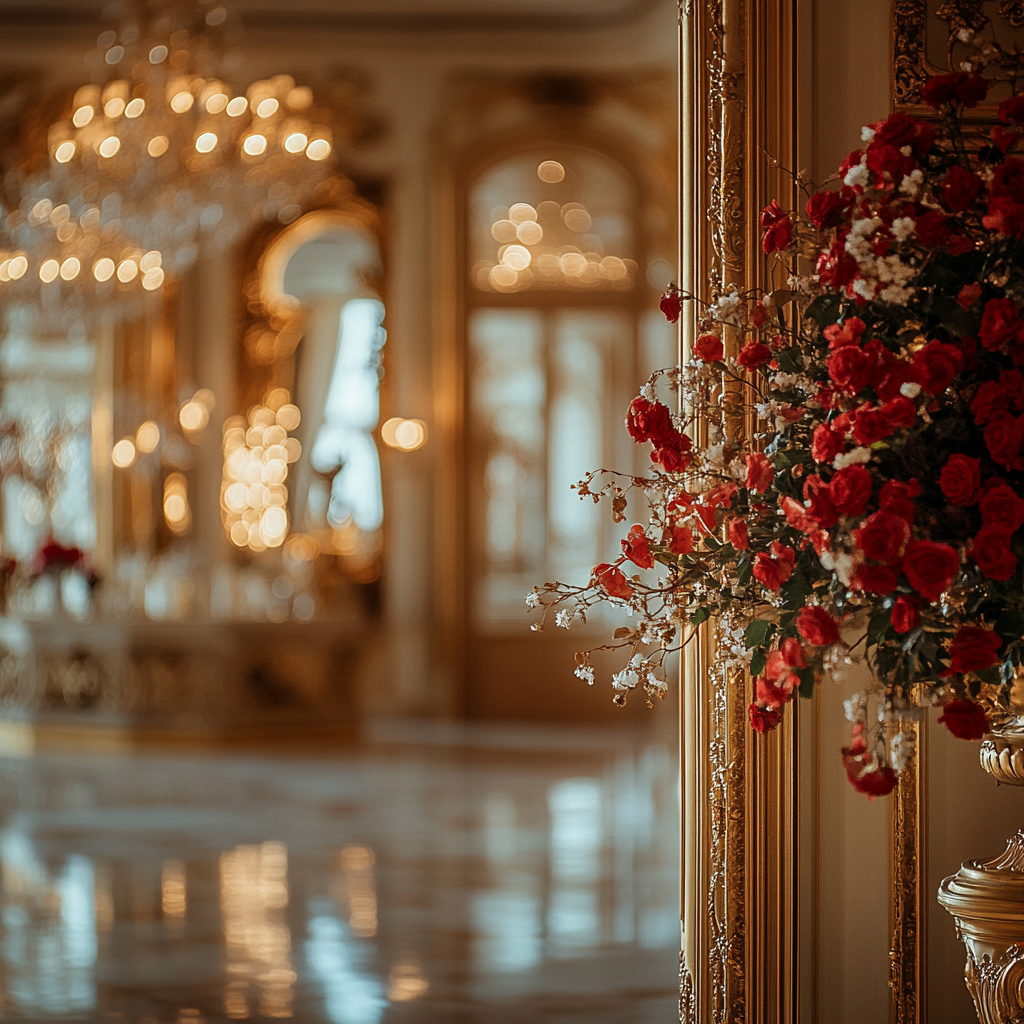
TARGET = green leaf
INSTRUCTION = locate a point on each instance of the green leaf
(990, 675)
(806, 682)
(795, 591)
(700, 615)
(878, 625)
(757, 633)
(758, 662)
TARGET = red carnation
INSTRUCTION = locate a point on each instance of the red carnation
(649, 421)
(738, 533)
(760, 472)
(709, 348)
(674, 457)
(772, 572)
(930, 567)
(818, 502)
(636, 547)
(778, 228)
(850, 368)
(849, 332)
(611, 580)
(954, 88)
(753, 355)
(1002, 508)
(763, 719)
(974, 649)
(965, 719)
(1012, 109)
(991, 550)
(680, 540)
(969, 295)
(866, 775)
(960, 480)
(882, 537)
(670, 304)
(960, 188)
(816, 626)
(906, 613)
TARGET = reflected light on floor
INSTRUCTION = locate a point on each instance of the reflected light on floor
(358, 891)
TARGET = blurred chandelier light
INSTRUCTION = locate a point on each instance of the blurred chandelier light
(157, 161)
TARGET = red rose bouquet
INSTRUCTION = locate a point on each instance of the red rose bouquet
(874, 510)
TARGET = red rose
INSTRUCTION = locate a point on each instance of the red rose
(870, 425)
(763, 719)
(672, 458)
(899, 412)
(848, 332)
(991, 550)
(1005, 216)
(989, 399)
(960, 480)
(965, 719)
(778, 228)
(793, 653)
(1002, 509)
(771, 695)
(835, 266)
(936, 365)
(1003, 438)
(899, 130)
(818, 502)
(825, 209)
(670, 305)
(680, 540)
(760, 472)
(611, 580)
(851, 490)
(971, 89)
(931, 229)
(850, 368)
(753, 354)
(930, 567)
(874, 579)
(709, 348)
(826, 444)
(938, 89)
(1000, 324)
(1012, 109)
(866, 775)
(898, 497)
(738, 533)
(974, 649)
(636, 547)
(1012, 384)
(796, 515)
(649, 421)
(816, 626)
(773, 572)
(1004, 139)
(960, 188)
(906, 613)
(882, 537)
(1008, 180)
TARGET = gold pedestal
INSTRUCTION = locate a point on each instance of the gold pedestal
(986, 898)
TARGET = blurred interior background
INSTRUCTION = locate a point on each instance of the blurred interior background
(312, 313)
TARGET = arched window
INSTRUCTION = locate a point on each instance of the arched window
(558, 338)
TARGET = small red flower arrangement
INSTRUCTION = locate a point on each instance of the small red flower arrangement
(877, 514)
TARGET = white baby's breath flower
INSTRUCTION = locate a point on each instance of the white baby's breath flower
(910, 389)
(867, 134)
(864, 288)
(902, 228)
(858, 176)
(532, 599)
(647, 392)
(586, 673)
(563, 618)
(854, 457)
(856, 708)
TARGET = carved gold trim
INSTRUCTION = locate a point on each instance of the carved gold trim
(907, 872)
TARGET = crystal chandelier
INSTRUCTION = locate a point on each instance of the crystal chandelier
(158, 161)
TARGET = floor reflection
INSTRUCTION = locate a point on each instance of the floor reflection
(493, 875)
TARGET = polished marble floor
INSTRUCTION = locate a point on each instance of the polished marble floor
(427, 874)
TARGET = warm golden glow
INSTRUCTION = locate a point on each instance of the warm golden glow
(153, 279)
(206, 143)
(114, 107)
(550, 171)
(406, 982)
(177, 514)
(254, 145)
(127, 270)
(267, 107)
(147, 437)
(358, 889)
(406, 435)
(70, 267)
(295, 143)
(173, 894)
(109, 147)
(182, 101)
(288, 416)
(150, 261)
(576, 217)
(103, 269)
(82, 116)
(236, 107)
(64, 152)
(157, 145)
(17, 267)
(520, 212)
(123, 453)
(41, 210)
(193, 416)
(135, 108)
(48, 271)
(529, 232)
(216, 103)
(518, 257)
(60, 214)
(318, 149)
(158, 55)
(504, 231)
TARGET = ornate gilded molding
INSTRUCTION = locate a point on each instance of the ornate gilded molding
(986, 898)
(906, 835)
